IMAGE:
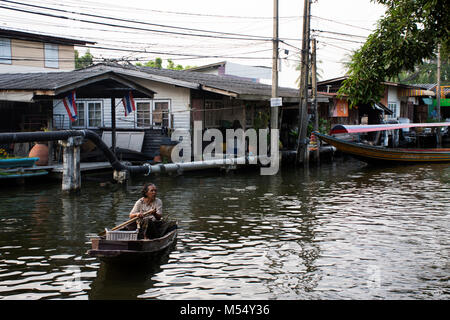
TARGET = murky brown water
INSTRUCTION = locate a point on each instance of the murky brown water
(342, 231)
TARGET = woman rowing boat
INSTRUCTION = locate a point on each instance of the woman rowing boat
(152, 225)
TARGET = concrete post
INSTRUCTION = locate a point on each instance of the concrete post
(71, 180)
(120, 176)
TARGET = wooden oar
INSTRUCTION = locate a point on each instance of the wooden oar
(126, 223)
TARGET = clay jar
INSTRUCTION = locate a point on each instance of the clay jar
(165, 151)
(41, 151)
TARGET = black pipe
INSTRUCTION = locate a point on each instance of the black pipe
(14, 137)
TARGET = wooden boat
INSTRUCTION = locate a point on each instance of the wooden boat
(375, 154)
(130, 250)
(18, 162)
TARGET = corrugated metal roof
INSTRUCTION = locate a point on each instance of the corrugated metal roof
(226, 83)
(426, 86)
(242, 88)
(43, 80)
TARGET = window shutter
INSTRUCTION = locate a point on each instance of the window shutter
(51, 55)
(5, 50)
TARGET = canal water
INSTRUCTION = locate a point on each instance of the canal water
(341, 231)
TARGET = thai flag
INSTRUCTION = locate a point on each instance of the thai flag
(128, 103)
(71, 106)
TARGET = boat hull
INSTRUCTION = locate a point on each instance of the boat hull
(126, 251)
(373, 154)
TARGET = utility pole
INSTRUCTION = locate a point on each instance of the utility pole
(303, 105)
(274, 106)
(438, 95)
(314, 95)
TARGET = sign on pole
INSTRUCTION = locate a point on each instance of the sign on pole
(276, 102)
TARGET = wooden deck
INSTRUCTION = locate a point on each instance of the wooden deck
(84, 166)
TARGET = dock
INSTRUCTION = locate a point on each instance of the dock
(57, 169)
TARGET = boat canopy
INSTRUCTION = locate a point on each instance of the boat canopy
(341, 128)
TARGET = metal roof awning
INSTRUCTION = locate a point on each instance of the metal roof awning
(409, 92)
(42, 86)
(341, 128)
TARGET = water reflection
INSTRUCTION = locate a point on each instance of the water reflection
(341, 231)
(128, 280)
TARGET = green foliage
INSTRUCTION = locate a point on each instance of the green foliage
(83, 61)
(157, 63)
(426, 73)
(261, 120)
(3, 154)
(324, 127)
(407, 35)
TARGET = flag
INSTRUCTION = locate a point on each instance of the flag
(71, 106)
(128, 103)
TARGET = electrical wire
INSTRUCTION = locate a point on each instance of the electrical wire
(342, 23)
(253, 38)
(131, 21)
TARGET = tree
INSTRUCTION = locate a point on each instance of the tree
(426, 73)
(83, 61)
(405, 37)
(171, 65)
(157, 63)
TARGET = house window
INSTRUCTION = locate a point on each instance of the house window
(80, 122)
(89, 114)
(51, 55)
(213, 112)
(393, 107)
(161, 114)
(94, 112)
(143, 115)
(5, 50)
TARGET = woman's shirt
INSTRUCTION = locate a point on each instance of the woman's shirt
(142, 206)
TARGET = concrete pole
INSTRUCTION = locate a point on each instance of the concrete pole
(113, 126)
(49, 105)
(314, 96)
(274, 110)
(438, 96)
(303, 94)
(71, 180)
(121, 176)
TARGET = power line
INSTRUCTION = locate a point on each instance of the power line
(345, 24)
(200, 14)
(255, 38)
(339, 33)
(194, 56)
(332, 45)
(128, 20)
(238, 36)
(346, 40)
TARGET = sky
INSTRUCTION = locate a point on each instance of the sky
(166, 27)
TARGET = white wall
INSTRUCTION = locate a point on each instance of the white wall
(179, 106)
(393, 97)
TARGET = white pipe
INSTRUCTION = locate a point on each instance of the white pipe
(195, 165)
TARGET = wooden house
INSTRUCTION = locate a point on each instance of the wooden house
(398, 101)
(27, 52)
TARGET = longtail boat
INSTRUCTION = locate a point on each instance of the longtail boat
(125, 250)
(377, 154)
